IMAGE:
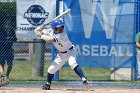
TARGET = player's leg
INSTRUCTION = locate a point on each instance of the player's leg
(1, 70)
(2, 75)
(10, 58)
(2, 63)
(77, 70)
(56, 65)
(138, 64)
(72, 62)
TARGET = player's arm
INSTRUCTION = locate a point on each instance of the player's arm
(137, 40)
(138, 44)
(48, 38)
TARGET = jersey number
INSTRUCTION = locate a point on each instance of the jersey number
(60, 44)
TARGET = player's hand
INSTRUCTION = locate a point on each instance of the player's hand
(38, 31)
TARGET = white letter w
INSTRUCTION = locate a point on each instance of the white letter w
(105, 11)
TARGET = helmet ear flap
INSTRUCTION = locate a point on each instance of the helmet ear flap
(56, 28)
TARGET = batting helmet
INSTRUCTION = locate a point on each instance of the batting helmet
(56, 24)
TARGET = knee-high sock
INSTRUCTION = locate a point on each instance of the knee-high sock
(50, 77)
(79, 72)
(9, 69)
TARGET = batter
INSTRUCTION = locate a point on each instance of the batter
(66, 51)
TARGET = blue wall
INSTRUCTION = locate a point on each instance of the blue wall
(103, 32)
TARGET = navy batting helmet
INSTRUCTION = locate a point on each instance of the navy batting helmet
(56, 24)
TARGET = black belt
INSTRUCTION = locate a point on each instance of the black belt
(67, 51)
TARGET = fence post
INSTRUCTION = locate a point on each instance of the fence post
(38, 57)
(56, 76)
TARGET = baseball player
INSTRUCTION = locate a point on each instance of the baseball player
(66, 51)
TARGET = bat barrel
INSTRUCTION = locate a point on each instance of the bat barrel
(59, 16)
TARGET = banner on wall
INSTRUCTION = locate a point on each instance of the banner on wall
(33, 13)
(101, 32)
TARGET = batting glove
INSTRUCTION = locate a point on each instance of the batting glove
(38, 31)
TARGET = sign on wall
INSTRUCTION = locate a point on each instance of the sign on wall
(33, 13)
(101, 32)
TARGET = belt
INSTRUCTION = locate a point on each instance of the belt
(67, 51)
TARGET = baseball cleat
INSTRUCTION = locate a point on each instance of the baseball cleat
(46, 86)
(85, 82)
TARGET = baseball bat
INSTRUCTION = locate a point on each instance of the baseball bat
(59, 16)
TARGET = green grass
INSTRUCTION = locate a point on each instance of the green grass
(133, 83)
(22, 74)
(91, 74)
(23, 71)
